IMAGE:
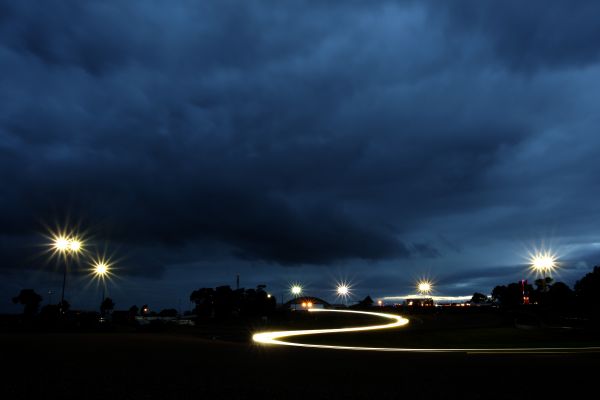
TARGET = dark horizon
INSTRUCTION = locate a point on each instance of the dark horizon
(305, 142)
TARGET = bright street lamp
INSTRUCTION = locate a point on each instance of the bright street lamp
(296, 290)
(74, 245)
(66, 247)
(343, 290)
(101, 270)
(543, 263)
(61, 244)
(424, 287)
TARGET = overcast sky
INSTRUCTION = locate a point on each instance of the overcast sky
(310, 141)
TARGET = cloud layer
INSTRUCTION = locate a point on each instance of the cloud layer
(299, 133)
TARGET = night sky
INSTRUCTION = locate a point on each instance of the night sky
(309, 141)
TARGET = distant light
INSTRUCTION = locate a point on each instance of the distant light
(74, 245)
(424, 287)
(309, 304)
(296, 290)
(379, 302)
(303, 304)
(64, 243)
(101, 268)
(343, 290)
(268, 295)
(543, 262)
(61, 243)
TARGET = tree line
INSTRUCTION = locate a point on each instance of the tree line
(547, 292)
(223, 302)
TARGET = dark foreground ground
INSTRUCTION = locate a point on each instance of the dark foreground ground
(176, 366)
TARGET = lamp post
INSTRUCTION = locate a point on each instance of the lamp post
(296, 291)
(543, 263)
(343, 291)
(101, 270)
(424, 287)
(66, 247)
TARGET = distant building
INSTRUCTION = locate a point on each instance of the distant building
(419, 302)
(305, 303)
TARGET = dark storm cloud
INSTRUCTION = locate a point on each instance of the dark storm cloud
(527, 36)
(299, 133)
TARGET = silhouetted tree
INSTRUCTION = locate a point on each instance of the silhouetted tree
(366, 302)
(64, 306)
(587, 290)
(543, 284)
(560, 295)
(510, 295)
(133, 310)
(499, 293)
(107, 306)
(257, 302)
(203, 298)
(479, 298)
(30, 300)
(223, 302)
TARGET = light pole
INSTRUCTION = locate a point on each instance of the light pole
(424, 287)
(66, 247)
(101, 270)
(343, 291)
(543, 263)
(296, 291)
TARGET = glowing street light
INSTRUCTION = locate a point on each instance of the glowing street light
(75, 245)
(424, 287)
(101, 270)
(543, 263)
(61, 244)
(65, 246)
(296, 290)
(343, 290)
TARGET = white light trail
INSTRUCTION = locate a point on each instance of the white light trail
(274, 338)
(434, 298)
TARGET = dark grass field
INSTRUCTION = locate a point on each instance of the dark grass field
(187, 365)
(460, 330)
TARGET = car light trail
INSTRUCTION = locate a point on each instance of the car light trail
(275, 338)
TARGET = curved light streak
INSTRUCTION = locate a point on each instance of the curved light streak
(274, 338)
(421, 296)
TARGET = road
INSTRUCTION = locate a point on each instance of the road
(181, 366)
(279, 338)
